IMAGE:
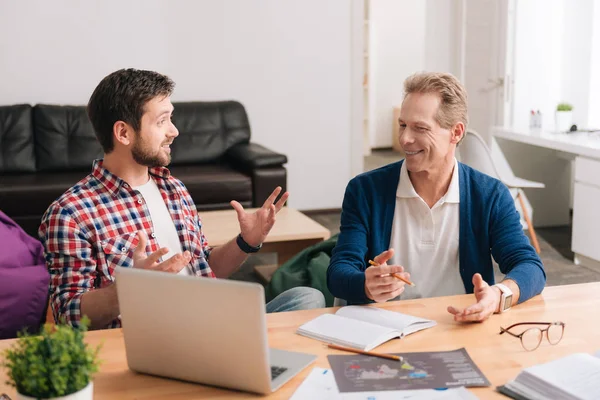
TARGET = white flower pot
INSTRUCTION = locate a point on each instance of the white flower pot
(87, 393)
(563, 120)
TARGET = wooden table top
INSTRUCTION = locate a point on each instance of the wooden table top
(221, 226)
(500, 357)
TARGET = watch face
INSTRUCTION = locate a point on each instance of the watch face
(507, 302)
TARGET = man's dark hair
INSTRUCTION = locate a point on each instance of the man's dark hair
(121, 96)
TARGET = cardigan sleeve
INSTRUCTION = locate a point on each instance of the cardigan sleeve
(346, 271)
(511, 249)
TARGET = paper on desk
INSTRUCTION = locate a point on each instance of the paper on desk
(320, 384)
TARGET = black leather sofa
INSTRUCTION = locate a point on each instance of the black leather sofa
(45, 149)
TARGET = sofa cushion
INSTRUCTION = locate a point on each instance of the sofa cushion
(16, 139)
(31, 194)
(214, 185)
(207, 130)
(64, 138)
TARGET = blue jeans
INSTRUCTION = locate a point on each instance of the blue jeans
(298, 298)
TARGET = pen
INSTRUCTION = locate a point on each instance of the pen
(366, 353)
(394, 275)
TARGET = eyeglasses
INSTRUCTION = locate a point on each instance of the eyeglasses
(532, 337)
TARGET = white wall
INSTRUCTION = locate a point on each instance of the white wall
(556, 41)
(576, 59)
(594, 84)
(441, 36)
(538, 60)
(406, 36)
(288, 62)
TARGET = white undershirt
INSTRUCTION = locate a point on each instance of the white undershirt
(164, 228)
(426, 240)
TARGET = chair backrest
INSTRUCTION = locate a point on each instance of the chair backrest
(501, 163)
(474, 152)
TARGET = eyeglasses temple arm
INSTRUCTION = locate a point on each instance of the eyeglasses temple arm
(502, 330)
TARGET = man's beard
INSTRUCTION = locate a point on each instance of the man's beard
(145, 157)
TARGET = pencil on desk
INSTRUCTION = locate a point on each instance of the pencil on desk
(394, 275)
(366, 353)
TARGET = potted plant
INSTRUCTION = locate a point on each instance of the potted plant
(56, 364)
(564, 117)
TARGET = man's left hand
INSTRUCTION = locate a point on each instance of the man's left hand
(488, 300)
(256, 226)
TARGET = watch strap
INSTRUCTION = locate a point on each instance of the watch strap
(245, 247)
(504, 293)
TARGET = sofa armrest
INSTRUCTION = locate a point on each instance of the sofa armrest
(250, 156)
(263, 165)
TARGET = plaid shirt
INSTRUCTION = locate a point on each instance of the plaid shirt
(92, 228)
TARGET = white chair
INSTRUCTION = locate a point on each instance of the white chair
(474, 152)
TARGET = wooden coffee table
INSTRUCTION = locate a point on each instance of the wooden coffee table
(292, 233)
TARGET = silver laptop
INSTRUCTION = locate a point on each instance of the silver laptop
(210, 331)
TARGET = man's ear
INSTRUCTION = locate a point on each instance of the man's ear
(123, 133)
(457, 133)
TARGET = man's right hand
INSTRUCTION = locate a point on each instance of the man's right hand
(380, 286)
(143, 261)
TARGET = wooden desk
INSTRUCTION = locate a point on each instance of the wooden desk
(292, 233)
(500, 357)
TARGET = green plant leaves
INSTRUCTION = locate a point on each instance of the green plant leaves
(55, 363)
(564, 107)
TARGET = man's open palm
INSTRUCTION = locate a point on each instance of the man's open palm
(256, 226)
(143, 261)
(487, 302)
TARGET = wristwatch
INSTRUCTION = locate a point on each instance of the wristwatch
(506, 296)
(245, 247)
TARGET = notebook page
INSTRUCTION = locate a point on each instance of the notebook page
(577, 374)
(391, 319)
(336, 329)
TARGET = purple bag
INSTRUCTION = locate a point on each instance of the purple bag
(24, 280)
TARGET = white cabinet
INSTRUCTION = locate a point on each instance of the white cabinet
(586, 209)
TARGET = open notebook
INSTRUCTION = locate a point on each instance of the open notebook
(362, 327)
(574, 377)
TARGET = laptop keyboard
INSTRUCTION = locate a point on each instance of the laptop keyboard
(276, 371)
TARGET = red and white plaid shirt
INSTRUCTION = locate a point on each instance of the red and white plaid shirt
(92, 228)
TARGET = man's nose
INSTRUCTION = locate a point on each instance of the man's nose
(174, 131)
(406, 136)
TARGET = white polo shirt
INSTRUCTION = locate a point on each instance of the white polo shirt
(425, 241)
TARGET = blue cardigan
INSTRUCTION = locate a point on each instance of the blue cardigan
(489, 221)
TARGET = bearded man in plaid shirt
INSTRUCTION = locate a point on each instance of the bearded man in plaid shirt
(130, 212)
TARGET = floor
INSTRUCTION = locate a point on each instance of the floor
(555, 242)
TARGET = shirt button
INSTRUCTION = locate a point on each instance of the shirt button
(123, 249)
(140, 201)
(125, 185)
(153, 235)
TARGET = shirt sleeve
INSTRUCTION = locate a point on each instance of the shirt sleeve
(68, 256)
(346, 271)
(511, 248)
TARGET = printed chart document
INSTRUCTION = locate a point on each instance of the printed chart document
(362, 327)
(420, 370)
(320, 385)
(574, 377)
